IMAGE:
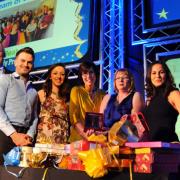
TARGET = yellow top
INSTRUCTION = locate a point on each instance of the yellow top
(80, 103)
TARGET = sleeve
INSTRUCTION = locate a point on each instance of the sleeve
(32, 129)
(74, 108)
(5, 125)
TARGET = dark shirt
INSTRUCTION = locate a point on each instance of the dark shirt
(13, 39)
(114, 110)
(161, 118)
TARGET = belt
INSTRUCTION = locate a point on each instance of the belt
(20, 129)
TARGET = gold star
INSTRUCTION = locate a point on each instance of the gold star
(163, 14)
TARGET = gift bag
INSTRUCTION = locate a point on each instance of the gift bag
(123, 131)
(139, 121)
(12, 158)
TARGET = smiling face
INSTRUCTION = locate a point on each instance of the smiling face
(158, 75)
(122, 81)
(57, 76)
(89, 77)
(23, 63)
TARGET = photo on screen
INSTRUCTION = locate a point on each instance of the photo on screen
(59, 31)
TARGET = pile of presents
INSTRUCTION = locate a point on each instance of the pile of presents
(125, 147)
(97, 158)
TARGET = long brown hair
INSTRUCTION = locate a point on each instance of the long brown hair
(63, 89)
(167, 86)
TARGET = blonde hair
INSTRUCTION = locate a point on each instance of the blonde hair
(130, 76)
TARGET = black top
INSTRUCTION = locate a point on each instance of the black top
(114, 110)
(161, 118)
(13, 39)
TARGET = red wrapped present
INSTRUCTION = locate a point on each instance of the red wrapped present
(81, 145)
(74, 163)
(155, 167)
(157, 157)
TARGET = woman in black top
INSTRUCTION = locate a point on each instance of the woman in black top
(163, 103)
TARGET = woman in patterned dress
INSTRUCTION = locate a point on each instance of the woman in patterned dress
(53, 127)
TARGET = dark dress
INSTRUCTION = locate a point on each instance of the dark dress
(161, 118)
(114, 110)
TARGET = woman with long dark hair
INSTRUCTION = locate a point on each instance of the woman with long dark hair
(163, 103)
(54, 124)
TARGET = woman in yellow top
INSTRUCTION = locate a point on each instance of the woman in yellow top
(84, 98)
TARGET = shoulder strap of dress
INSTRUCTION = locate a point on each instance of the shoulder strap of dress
(112, 98)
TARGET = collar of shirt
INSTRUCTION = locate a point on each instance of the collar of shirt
(17, 76)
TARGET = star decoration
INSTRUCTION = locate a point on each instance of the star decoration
(163, 14)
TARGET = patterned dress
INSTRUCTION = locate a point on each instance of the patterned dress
(54, 125)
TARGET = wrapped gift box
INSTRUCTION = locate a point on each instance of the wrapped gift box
(74, 163)
(120, 163)
(156, 150)
(155, 167)
(52, 148)
(126, 150)
(82, 145)
(155, 144)
(157, 158)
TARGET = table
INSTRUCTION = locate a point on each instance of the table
(55, 174)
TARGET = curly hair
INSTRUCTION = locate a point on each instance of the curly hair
(130, 76)
(63, 89)
(167, 86)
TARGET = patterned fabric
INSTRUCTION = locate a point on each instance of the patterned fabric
(53, 126)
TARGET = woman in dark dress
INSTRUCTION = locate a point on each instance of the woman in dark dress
(125, 101)
(163, 103)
